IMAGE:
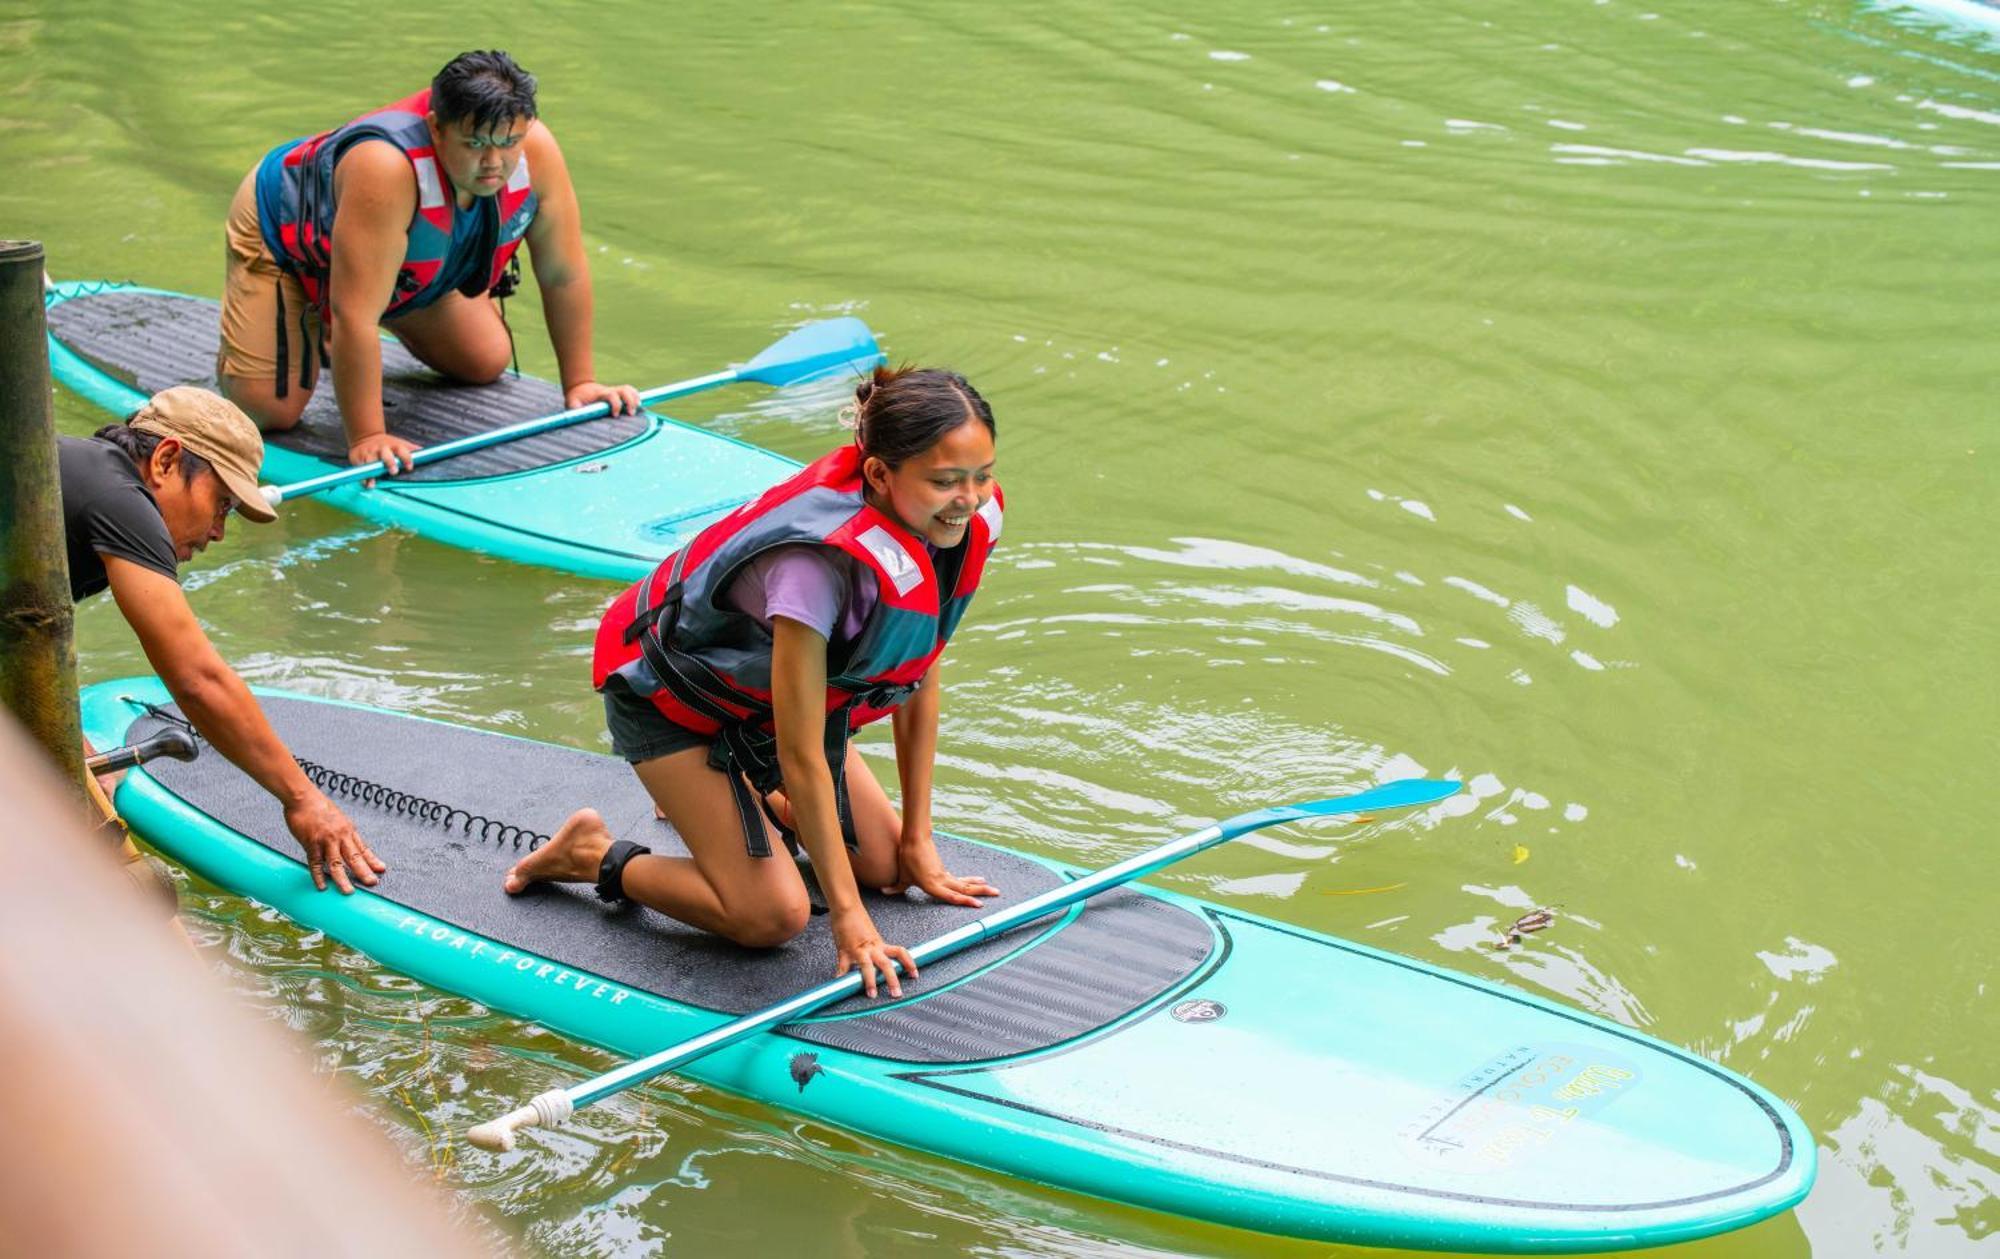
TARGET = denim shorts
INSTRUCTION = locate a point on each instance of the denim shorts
(640, 731)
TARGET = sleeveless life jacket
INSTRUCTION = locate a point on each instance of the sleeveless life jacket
(707, 667)
(295, 209)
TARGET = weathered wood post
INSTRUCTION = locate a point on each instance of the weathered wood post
(37, 652)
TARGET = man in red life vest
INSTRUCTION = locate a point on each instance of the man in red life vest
(429, 199)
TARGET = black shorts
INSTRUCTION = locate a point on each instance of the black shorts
(640, 731)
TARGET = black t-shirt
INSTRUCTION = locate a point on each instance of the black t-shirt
(107, 510)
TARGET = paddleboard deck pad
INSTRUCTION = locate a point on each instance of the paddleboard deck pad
(1143, 1047)
(609, 497)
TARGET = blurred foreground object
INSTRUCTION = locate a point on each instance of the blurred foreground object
(145, 1113)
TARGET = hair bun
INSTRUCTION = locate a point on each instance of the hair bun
(864, 391)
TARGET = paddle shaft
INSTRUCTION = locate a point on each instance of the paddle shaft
(275, 494)
(553, 1107)
(932, 950)
(806, 353)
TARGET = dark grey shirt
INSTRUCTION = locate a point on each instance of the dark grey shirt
(107, 510)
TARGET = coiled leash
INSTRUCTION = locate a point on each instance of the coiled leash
(389, 799)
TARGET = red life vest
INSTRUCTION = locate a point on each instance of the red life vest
(674, 613)
(295, 208)
(707, 666)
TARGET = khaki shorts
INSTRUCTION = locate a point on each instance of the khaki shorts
(251, 286)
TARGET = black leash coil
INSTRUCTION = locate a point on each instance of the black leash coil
(434, 812)
(390, 799)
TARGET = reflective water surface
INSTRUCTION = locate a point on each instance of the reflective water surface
(1589, 399)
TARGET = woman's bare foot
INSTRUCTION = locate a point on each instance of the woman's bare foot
(572, 855)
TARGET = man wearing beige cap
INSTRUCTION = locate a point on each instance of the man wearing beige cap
(140, 499)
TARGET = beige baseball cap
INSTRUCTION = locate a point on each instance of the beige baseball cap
(216, 429)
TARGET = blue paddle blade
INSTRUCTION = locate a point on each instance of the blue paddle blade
(829, 347)
(1396, 795)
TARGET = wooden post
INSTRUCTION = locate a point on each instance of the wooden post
(37, 650)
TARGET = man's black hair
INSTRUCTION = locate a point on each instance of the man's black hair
(485, 89)
(139, 447)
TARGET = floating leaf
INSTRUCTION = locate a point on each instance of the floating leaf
(1532, 921)
(1520, 853)
(1362, 891)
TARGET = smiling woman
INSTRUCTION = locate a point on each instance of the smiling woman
(734, 675)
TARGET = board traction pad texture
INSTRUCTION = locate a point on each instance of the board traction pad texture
(1123, 951)
(154, 341)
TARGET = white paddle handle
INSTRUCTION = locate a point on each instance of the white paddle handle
(549, 1110)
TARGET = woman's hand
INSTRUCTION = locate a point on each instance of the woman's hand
(856, 941)
(917, 866)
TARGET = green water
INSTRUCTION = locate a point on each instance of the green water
(1592, 400)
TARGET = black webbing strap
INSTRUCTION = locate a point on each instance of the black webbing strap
(748, 758)
(284, 345)
(503, 288)
(309, 345)
(786, 833)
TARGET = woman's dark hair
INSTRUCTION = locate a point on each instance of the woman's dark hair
(905, 411)
(485, 88)
(140, 447)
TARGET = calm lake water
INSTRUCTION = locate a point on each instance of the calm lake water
(1595, 400)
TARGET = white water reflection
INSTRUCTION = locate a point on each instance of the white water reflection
(1800, 959)
(1591, 608)
(1913, 1170)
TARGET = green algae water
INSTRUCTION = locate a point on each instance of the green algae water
(1594, 401)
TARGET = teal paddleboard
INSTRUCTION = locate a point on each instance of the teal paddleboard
(605, 498)
(1981, 15)
(1144, 1047)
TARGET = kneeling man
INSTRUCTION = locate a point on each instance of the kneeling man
(140, 499)
(407, 218)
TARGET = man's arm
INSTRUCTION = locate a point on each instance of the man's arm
(375, 198)
(227, 715)
(562, 272)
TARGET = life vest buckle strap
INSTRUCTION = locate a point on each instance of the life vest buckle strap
(748, 758)
(668, 608)
(883, 695)
(748, 813)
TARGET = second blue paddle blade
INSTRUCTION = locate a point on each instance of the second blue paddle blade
(824, 348)
(1401, 794)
